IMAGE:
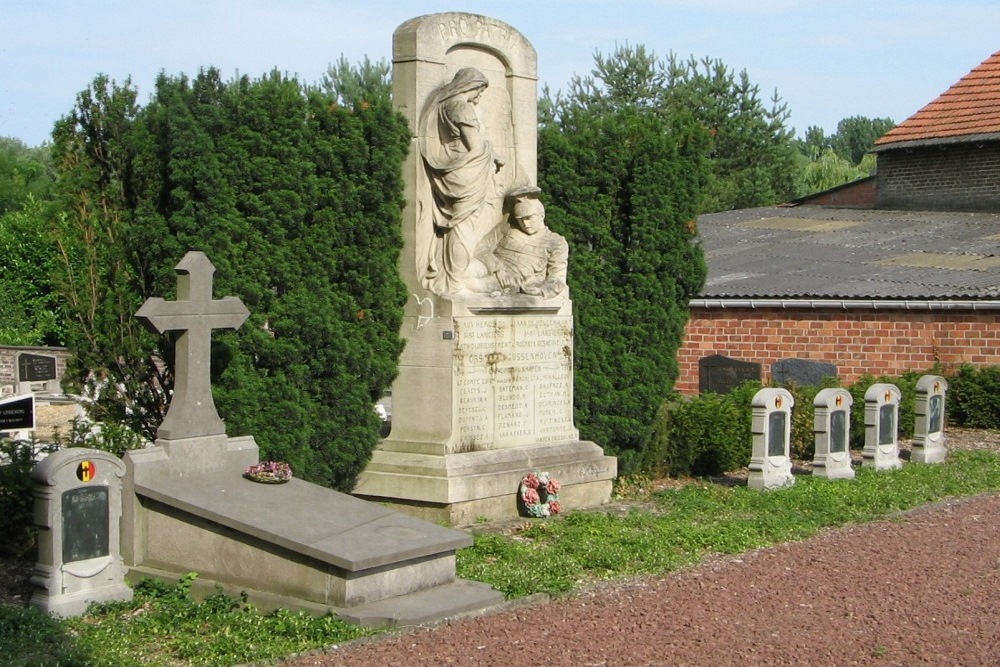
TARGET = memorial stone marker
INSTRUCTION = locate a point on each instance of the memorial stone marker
(929, 411)
(78, 504)
(35, 367)
(832, 429)
(771, 461)
(882, 427)
(484, 393)
(802, 372)
(721, 374)
(187, 506)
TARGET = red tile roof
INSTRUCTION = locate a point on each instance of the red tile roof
(970, 107)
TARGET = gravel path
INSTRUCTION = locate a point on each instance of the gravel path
(921, 589)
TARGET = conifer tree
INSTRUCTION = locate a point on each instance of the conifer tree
(295, 197)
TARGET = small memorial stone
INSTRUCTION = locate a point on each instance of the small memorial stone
(881, 427)
(831, 426)
(928, 428)
(771, 461)
(78, 504)
(720, 374)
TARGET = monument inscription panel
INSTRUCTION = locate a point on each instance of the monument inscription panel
(35, 367)
(838, 431)
(85, 517)
(513, 379)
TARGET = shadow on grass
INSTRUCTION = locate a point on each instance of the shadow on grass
(30, 637)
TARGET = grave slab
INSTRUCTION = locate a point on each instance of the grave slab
(771, 461)
(832, 429)
(882, 427)
(929, 413)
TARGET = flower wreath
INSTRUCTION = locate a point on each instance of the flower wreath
(540, 494)
(269, 472)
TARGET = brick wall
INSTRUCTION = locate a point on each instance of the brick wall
(880, 342)
(859, 194)
(950, 177)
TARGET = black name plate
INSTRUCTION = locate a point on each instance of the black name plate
(85, 527)
(35, 368)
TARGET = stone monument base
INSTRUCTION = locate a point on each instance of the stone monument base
(465, 488)
(296, 544)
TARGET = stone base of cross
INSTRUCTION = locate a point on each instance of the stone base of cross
(192, 412)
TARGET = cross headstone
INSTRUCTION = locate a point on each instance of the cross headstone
(195, 314)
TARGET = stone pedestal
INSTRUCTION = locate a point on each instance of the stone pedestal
(484, 396)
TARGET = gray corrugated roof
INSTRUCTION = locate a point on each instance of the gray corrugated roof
(817, 252)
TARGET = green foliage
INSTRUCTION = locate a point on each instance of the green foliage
(32, 638)
(705, 435)
(25, 174)
(295, 196)
(701, 519)
(17, 501)
(750, 151)
(972, 397)
(856, 136)
(107, 437)
(30, 311)
(622, 184)
(828, 170)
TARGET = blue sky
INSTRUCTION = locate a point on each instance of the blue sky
(827, 60)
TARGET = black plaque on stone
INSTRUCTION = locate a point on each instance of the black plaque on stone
(720, 374)
(937, 412)
(17, 413)
(838, 431)
(887, 424)
(85, 528)
(35, 368)
(802, 372)
(777, 423)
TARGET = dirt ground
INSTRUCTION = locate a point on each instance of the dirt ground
(919, 589)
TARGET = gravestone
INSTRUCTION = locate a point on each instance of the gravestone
(882, 427)
(33, 368)
(720, 374)
(771, 460)
(832, 429)
(78, 504)
(188, 507)
(484, 393)
(928, 429)
(802, 372)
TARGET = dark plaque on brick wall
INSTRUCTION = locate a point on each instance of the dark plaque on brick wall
(85, 523)
(17, 413)
(35, 368)
(721, 374)
(802, 372)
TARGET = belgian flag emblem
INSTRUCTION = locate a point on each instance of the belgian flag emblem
(86, 471)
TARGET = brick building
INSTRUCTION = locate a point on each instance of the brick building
(884, 275)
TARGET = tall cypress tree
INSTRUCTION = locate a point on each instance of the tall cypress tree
(296, 199)
(622, 184)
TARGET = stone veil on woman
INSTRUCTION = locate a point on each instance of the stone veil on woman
(461, 167)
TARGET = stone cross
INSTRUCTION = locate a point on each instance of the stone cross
(192, 412)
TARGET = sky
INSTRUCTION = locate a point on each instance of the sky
(826, 60)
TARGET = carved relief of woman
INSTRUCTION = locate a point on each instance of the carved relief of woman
(461, 166)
